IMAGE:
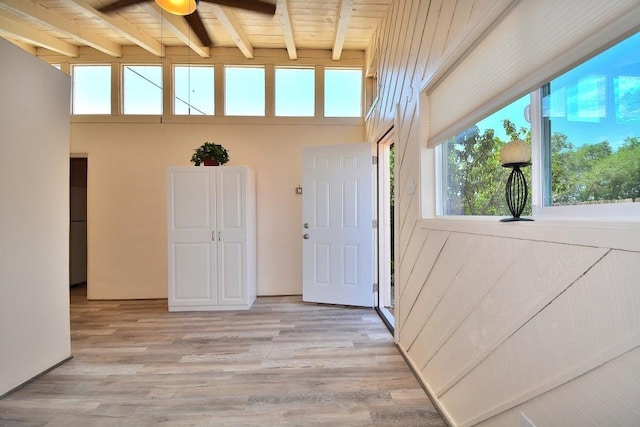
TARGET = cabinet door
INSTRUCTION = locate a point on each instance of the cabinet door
(192, 250)
(231, 220)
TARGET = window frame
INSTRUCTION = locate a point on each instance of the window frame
(226, 67)
(275, 89)
(173, 88)
(73, 91)
(433, 166)
(123, 89)
(540, 173)
(324, 92)
(116, 115)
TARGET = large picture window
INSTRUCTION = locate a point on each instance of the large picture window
(589, 142)
(592, 130)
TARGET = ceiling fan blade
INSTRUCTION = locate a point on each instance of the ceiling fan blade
(118, 4)
(196, 24)
(259, 6)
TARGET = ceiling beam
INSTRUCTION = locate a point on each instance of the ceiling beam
(228, 20)
(287, 28)
(62, 25)
(179, 26)
(27, 47)
(13, 30)
(346, 7)
(128, 30)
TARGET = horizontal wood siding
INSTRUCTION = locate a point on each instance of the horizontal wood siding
(497, 323)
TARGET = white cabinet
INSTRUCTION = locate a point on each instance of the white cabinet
(211, 238)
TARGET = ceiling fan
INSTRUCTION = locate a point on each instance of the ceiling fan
(188, 9)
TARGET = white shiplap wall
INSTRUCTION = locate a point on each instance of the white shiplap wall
(500, 320)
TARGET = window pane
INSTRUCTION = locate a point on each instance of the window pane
(295, 92)
(142, 89)
(193, 90)
(244, 91)
(91, 89)
(474, 179)
(592, 123)
(342, 93)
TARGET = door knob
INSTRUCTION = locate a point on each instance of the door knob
(306, 225)
(305, 236)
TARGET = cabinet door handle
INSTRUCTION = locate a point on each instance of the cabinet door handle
(213, 235)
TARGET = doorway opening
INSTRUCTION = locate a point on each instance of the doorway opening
(386, 203)
(78, 221)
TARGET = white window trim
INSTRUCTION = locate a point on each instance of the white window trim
(123, 89)
(173, 88)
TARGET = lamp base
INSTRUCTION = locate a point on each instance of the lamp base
(515, 219)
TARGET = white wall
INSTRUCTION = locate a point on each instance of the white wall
(127, 197)
(34, 217)
(501, 319)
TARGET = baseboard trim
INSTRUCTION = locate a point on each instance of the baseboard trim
(18, 387)
(436, 403)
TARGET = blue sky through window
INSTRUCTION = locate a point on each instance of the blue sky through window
(597, 101)
(142, 89)
(193, 90)
(244, 91)
(295, 92)
(342, 93)
(91, 89)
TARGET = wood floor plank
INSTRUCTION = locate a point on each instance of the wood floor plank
(284, 362)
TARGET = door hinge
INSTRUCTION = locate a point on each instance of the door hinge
(375, 287)
(374, 160)
(374, 223)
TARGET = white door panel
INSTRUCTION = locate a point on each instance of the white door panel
(231, 214)
(192, 273)
(231, 272)
(191, 255)
(337, 206)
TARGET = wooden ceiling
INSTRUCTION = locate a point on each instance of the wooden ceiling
(63, 26)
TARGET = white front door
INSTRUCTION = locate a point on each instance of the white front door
(337, 216)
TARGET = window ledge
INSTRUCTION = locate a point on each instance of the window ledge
(609, 233)
(218, 120)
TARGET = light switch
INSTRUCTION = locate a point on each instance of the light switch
(411, 186)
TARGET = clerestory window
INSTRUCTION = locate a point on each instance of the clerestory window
(142, 89)
(91, 91)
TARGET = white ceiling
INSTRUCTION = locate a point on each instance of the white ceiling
(63, 26)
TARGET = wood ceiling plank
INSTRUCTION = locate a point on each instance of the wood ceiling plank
(13, 29)
(63, 25)
(228, 20)
(300, 25)
(128, 30)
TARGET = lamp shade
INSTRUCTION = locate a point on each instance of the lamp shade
(515, 152)
(178, 7)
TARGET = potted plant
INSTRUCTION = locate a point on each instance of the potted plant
(210, 154)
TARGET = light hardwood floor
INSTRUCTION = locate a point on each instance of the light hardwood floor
(284, 362)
